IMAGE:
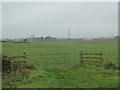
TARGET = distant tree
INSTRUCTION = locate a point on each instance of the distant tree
(25, 40)
(42, 38)
(117, 37)
(50, 38)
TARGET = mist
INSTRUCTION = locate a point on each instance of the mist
(85, 19)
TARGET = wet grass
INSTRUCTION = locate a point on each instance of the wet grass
(86, 76)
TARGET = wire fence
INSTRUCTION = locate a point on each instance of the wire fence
(91, 58)
(54, 60)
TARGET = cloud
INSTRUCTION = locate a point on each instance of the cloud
(42, 19)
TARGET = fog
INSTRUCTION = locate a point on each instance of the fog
(86, 20)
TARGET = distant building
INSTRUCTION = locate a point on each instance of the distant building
(50, 38)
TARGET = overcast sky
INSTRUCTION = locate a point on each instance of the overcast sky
(88, 19)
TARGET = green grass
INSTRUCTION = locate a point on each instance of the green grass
(86, 76)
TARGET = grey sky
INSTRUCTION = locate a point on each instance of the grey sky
(89, 19)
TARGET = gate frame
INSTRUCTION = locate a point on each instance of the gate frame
(96, 56)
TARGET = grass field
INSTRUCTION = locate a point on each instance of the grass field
(85, 76)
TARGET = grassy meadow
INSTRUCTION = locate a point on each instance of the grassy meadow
(86, 76)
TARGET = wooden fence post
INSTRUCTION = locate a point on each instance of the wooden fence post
(81, 54)
(23, 63)
(101, 57)
(12, 66)
(24, 53)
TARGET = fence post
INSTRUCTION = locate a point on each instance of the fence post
(12, 66)
(24, 53)
(46, 61)
(101, 57)
(81, 54)
(23, 64)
